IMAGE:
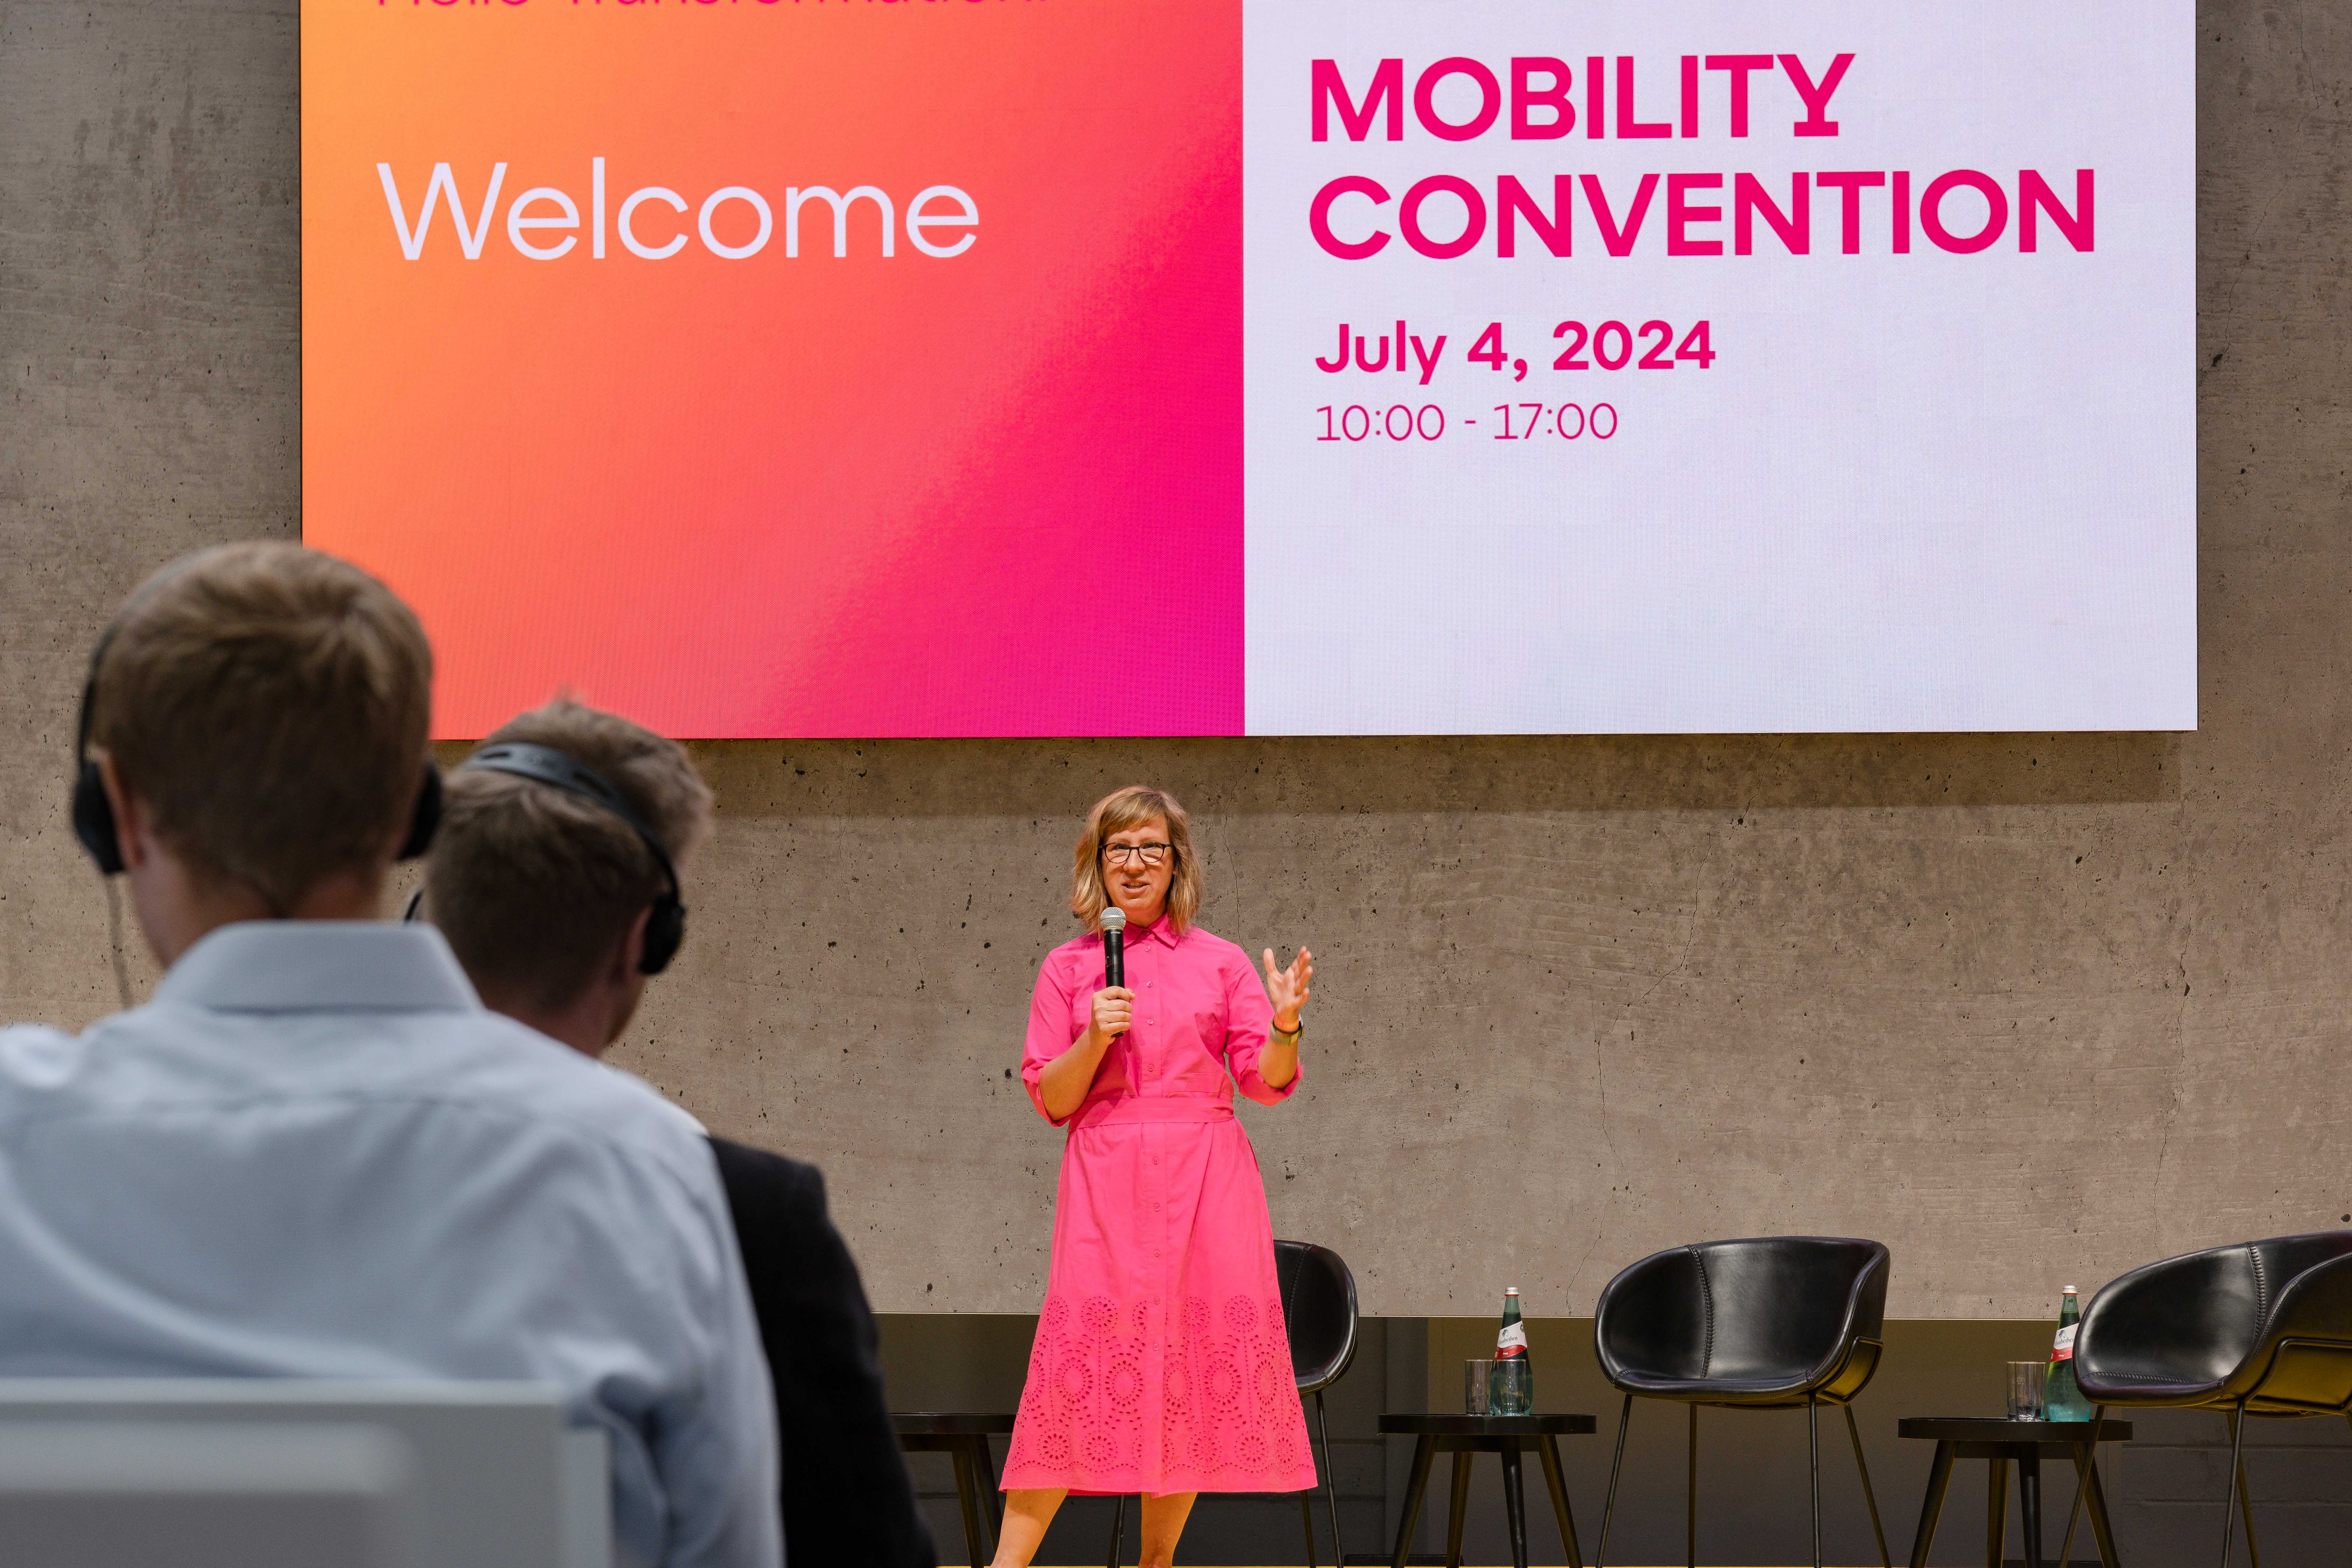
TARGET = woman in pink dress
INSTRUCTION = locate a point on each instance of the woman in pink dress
(1162, 1365)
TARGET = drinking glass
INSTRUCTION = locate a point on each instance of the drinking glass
(2025, 1389)
(1475, 1381)
(1511, 1387)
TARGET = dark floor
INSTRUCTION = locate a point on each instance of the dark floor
(2166, 1486)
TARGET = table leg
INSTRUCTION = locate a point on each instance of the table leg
(991, 1492)
(2029, 1502)
(1996, 1511)
(1931, 1507)
(968, 1500)
(1457, 1512)
(1425, 1454)
(1563, 1515)
(2086, 1466)
(1515, 1504)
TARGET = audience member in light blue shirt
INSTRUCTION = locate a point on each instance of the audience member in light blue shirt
(314, 1154)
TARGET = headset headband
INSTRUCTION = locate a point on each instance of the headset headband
(544, 764)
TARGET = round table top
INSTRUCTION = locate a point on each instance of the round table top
(949, 1423)
(2001, 1429)
(1489, 1425)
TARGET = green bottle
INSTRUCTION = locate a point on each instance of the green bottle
(1512, 1391)
(2061, 1399)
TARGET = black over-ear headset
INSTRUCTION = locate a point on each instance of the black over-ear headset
(94, 813)
(665, 924)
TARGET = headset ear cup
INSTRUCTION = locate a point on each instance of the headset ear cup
(94, 820)
(665, 933)
(427, 817)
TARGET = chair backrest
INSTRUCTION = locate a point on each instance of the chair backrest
(2270, 1320)
(450, 1474)
(1764, 1308)
(1318, 1309)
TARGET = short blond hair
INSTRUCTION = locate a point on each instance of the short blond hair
(268, 705)
(533, 885)
(1116, 813)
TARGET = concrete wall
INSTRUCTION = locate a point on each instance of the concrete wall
(2031, 1009)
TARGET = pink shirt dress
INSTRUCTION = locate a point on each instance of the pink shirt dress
(1161, 1363)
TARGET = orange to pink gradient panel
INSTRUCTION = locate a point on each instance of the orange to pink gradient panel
(996, 493)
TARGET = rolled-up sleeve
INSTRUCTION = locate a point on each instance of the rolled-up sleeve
(1049, 1030)
(1248, 1016)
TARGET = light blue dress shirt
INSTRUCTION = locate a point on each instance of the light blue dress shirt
(315, 1155)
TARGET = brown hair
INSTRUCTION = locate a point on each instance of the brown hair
(533, 885)
(268, 704)
(1116, 813)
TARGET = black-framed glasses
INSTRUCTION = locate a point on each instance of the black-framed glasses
(1123, 854)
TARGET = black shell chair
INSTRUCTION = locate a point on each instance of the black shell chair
(1319, 1313)
(2258, 1327)
(1770, 1323)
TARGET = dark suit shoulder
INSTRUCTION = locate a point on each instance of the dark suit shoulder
(846, 1498)
(767, 1188)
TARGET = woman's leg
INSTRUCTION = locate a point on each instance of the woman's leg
(1027, 1512)
(1164, 1521)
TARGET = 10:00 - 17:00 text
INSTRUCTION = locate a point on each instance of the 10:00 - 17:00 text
(1402, 422)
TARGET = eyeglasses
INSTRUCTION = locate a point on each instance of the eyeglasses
(1125, 854)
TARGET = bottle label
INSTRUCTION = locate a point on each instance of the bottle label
(1511, 1341)
(2063, 1348)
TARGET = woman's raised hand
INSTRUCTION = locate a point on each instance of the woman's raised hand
(1287, 988)
(1114, 1012)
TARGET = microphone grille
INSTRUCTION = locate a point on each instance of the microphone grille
(1114, 918)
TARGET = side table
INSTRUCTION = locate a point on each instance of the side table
(964, 1434)
(2002, 1440)
(1509, 1436)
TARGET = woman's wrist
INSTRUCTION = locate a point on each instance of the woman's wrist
(1288, 1031)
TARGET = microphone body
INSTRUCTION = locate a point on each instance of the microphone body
(1114, 935)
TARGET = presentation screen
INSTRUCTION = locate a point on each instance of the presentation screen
(1177, 367)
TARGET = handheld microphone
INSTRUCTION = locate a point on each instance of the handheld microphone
(1114, 930)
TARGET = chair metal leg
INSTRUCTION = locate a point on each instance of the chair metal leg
(1868, 1494)
(1609, 1507)
(2245, 1494)
(2229, 1514)
(1331, 1490)
(1306, 1519)
(1931, 1507)
(1690, 1498)
(1562, 1515)
(2085, 1475)
(1814, 1445)
(1119, 1527)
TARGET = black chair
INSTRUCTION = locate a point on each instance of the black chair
(2260, 1328)
(1771, 1323)
(1319, 1313)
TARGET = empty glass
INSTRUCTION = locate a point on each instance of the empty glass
(2025, 1389)
(1475, 1381)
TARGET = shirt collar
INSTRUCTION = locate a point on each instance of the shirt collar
(294, 966)
(1159, 931)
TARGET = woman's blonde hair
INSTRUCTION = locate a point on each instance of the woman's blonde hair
(1116, 813)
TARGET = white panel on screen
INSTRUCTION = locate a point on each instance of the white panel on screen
(1921, 486)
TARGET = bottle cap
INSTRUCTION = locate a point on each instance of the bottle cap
(1510, 1289)
(2067, 1289)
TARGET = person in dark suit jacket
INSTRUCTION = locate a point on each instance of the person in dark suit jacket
(555, 878)
(846, 1496)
